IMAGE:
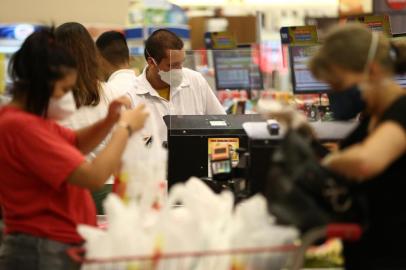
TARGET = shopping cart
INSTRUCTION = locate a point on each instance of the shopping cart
(259, 258)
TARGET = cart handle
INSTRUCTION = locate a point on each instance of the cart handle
(77, 254)
(345, 231)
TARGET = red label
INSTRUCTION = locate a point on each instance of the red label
(396, 4)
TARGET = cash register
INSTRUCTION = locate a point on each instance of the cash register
(191, 139)
(194, 139)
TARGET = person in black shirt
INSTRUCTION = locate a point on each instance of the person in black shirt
(375, 154)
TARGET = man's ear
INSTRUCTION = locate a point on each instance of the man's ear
(150, 61)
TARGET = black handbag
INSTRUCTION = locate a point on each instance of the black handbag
(302, 193)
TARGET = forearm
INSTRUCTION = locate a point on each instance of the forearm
(90, 137)
(94, 174)
(108, 160)
(351, 163)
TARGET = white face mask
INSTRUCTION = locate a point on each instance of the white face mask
(61, 108)
(173, 77)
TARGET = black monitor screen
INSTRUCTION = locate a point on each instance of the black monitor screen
(235, 69)
(303, 81)
(401, 80)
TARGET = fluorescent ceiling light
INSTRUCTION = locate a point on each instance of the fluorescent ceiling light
(263, 3)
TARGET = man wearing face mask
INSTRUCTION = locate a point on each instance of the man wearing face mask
(167, 87)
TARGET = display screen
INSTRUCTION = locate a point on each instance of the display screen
(220, 150)
(401, 80)
(235, 69)
(218, 123)
(302, 80)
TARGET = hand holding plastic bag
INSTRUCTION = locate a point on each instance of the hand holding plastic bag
(144, 170)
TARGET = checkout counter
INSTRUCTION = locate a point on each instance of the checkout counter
(191, 139)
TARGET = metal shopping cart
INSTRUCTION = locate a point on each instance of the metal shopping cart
(259, 258)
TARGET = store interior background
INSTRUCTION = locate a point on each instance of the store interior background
(254, 22)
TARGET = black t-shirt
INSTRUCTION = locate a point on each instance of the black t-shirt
(383, 245)
(358, 134)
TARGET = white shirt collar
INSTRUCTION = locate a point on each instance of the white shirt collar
(120, 72)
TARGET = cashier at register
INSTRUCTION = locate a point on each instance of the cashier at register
(168, 88)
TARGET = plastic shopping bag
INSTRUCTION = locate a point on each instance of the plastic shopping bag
(253, 227)
(143, 172)
(194, 220)
(126, 236)
(206, 216)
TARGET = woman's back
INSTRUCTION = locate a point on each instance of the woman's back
(87, 115)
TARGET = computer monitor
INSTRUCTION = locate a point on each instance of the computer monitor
(303, 81)
(236, 70)
(400, 79)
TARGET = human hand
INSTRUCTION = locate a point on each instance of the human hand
(115, 106)
(284, 114)
(135, 118)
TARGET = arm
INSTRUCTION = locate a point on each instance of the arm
(93, 174)
(90, 137)
(371, 157)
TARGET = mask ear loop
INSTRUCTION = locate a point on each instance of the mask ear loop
(371, 53)
(153, 60)
(372, 49)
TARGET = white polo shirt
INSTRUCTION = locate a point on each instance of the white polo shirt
(193, 97)
(122, 82)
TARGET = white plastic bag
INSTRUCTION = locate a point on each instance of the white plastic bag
(253, 227)
(209, 215)
(126, 236)
(204, 222)
(144, 170)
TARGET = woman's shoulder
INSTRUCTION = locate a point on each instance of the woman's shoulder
(18, 123)
(14, 117)
(109, 92)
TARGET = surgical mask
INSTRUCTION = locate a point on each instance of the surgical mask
(173, 77)
(348, 103)
(61, 108)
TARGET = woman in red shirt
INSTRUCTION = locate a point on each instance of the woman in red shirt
(45, 179)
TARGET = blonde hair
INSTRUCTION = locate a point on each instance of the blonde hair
(347, 46)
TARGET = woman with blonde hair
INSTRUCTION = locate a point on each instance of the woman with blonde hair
(355, 59)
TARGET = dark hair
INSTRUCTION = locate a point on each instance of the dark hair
(77, 40)
(159, 42)
(35, 67)
(348, 45)
(113, 47)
